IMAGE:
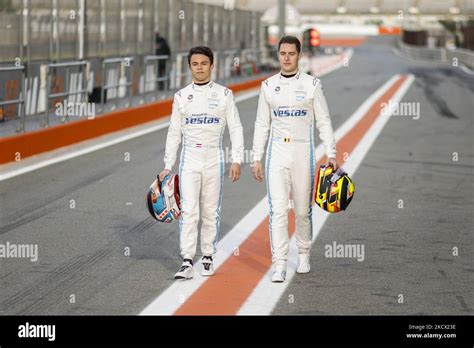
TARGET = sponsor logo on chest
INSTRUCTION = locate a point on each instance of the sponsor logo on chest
(202, 119)
(289, 112)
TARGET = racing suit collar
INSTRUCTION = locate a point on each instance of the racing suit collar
(197, 87)
(286, 80)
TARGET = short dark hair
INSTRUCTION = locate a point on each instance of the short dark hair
(201, 50)
(290, 40)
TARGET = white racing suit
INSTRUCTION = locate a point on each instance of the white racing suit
(199, 117)
(288, 108)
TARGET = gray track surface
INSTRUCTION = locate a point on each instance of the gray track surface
(407, 251)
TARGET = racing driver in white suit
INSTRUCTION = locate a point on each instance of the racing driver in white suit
(291, 103)
(200, 113)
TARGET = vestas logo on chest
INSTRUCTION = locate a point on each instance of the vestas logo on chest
(289, 112)
(202, 119)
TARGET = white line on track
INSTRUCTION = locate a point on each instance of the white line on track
(175, 295)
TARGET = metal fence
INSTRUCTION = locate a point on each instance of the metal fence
(121, 80)
(74, 91)
(156, 73)
(117, 79)
(14, 97)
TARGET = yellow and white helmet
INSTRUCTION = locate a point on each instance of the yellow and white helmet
(334, 190)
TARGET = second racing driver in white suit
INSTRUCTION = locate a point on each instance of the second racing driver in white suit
(290, 105)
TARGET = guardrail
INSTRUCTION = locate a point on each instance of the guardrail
(123, 71)
(20, 101)
(70, 90)
(463, 56)
(118, 76)
(153, 67)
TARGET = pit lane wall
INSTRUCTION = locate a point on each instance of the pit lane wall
(17, 147)
(455, 56)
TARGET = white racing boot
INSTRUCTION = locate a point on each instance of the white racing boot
(207, 266)
(303, 263)
(279, 272)
(186, 271)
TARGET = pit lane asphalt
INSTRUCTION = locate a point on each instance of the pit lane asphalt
(407, 251)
